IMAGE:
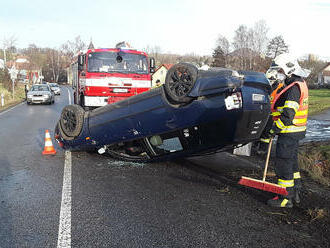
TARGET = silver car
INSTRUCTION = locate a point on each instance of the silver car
(40, 93)
(55, 88)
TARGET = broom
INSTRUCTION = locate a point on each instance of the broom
(262, 184)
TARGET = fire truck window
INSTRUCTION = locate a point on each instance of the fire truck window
(112, 62)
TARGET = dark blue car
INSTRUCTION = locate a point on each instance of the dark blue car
(194, 112)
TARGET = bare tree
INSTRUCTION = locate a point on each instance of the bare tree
(56, 64)
(241, 45)
(276, 47)
(260, 39)
(315, 65)
(9, 47)
(71, 48)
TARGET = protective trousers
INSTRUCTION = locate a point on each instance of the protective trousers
(286, 165)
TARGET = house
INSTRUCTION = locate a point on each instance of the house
(160, 73)
(27, 72)
(324, 76)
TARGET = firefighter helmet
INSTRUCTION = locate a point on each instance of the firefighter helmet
(289, 65)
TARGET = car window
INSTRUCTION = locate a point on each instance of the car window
(40, 88)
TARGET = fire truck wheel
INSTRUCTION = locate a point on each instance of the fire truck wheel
(72, 120)
(180, 79)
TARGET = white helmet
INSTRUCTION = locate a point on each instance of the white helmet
(271, 75)
(289, 65)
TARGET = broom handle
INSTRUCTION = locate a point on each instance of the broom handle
(267, 159)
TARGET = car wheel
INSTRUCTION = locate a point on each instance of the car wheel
(72, 120)
(180, 79)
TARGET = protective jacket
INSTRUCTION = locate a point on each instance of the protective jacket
(290, 108)
(277, 89)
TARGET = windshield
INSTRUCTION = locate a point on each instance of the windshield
(117, 62)
(53, 85)
(39, 88)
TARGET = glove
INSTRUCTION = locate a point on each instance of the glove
(273, 131)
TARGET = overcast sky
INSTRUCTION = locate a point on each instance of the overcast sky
(176, 26)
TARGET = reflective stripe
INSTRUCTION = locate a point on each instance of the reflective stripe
(291, 104)
(280, 124)
(284, 202)
(293, 129)
(302, 112)
(265, 140)
(296, 175)
(299, 121)
(285, 183)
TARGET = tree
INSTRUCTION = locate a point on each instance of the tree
(315, 65)
(221, 52)
(219, 57)
(242, 47)
(71, 48)
(259, 37)
(276, 47)
(9, 47)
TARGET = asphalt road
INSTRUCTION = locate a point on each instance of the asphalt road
(109, 203)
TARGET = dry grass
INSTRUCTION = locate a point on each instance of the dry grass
(315, 160)
(19, 95)
(317, 213)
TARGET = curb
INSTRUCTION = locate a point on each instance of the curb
(11, 106)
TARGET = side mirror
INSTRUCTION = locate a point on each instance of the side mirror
(152, 65)
(80, 62)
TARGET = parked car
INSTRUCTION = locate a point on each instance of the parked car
(40, 93)
(56, 88)
(194, 112)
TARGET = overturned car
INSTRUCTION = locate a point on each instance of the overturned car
(195, 112)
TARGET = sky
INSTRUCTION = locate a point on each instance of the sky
(176, 26)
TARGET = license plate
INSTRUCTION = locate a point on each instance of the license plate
(37, 98)
(120, 90)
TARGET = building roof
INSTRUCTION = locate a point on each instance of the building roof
(327, 64)
(167, 66)
(326, 73)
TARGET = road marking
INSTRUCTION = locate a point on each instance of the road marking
(69, 94)
(11, 108)
(64, 230)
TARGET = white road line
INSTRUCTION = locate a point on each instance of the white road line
(69, 94)
(64, 230)
(11, 109)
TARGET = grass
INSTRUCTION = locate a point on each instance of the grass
(319, 100)
(9, 101)
(317, 213)
(315, 160)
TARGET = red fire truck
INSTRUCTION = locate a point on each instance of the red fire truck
(104, 76)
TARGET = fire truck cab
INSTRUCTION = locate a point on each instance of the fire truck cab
(108, 75)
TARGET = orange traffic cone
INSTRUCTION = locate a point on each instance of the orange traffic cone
(49, 148)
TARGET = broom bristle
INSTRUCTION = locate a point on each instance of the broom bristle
(265, 186)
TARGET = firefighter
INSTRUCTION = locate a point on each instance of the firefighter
(289, 111)
(26, 88)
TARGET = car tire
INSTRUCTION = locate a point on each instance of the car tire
(180, 79)
(72, 120)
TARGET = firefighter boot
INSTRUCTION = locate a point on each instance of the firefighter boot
(281, 201)
(297, 190)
